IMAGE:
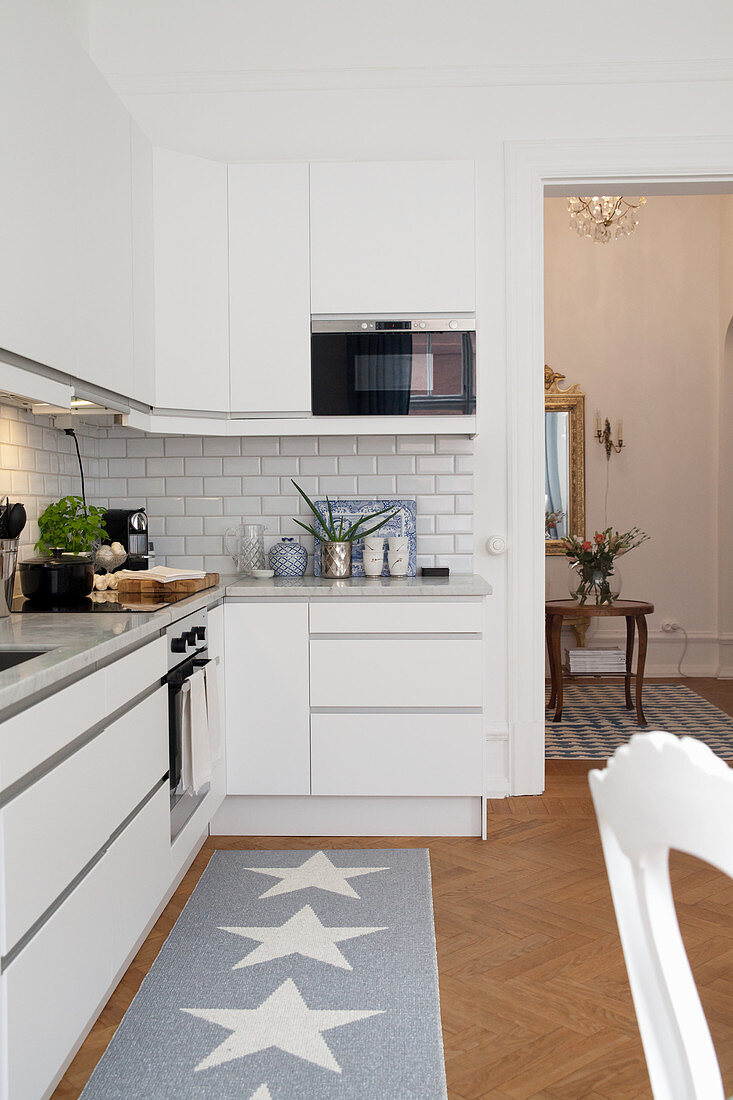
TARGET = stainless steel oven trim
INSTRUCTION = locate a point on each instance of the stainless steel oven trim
(447, 323)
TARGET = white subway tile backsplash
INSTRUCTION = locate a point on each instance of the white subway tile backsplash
(208, 465)
(376, 445)
(196, 488)
(357, 464)
(204, 506)
(337, 445)
(186, 486)
(454, 524)
(156, 485)
(147, 446)
(346, 486)
(242, 506)
(415, 444)
(410, 485)
(376, 486)
(222, 445)
(435, 464)
(183, 445)
(259, 486)
(320, 466)
(280, 506)
(299, 445)
(453, 445)
(222, 486)
(455, 484)
(267, 445)
(283, 466)
(241, 464)
(396, 464)
(182, 525)
(165, 467)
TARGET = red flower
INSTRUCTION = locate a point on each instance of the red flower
(586, 546)
(598, 537)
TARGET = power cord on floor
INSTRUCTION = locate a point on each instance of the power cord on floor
(684, 651)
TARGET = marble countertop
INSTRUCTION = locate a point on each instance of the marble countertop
(75, 644)
(457, 585)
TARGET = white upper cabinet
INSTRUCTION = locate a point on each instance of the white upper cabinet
(65, 232)
(269, 289)
(37, 189)
(191, 285)
(103, 236)
(143, 291)
(393, 237)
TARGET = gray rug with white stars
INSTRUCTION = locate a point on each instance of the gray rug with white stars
(290, 975)
(595, 720)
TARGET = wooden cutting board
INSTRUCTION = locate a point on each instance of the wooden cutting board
(145, 587)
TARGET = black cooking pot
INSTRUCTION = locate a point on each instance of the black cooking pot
(56, 580)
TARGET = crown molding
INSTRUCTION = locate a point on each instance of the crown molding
(316, 80)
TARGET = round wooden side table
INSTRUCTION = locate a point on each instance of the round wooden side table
(634, 612)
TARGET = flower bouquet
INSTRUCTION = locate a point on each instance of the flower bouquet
(592, 563)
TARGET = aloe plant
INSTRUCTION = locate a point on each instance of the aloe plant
(338, 531)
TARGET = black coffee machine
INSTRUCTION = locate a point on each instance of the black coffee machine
(130, 527)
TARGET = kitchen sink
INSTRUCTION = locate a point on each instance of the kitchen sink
(9, 658)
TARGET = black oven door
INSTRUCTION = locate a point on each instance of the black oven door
(393, 373)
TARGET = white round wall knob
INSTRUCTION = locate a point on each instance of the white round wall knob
(496, 544)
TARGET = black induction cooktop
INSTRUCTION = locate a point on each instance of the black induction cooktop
(98, 603)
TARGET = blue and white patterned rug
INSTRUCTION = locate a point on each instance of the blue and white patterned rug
(290, 975)
(595, 720)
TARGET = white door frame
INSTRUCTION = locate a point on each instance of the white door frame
(683, 163)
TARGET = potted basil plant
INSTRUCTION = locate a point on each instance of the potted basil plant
(64, 571)
(337, 537)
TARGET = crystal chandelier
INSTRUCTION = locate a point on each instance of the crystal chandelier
(604, 218)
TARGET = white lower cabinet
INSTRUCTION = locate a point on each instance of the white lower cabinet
(53, 988)
(377, 700)
(426, 755)
(267, 717)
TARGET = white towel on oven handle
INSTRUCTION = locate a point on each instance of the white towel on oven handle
(195, 734)
(213, 709)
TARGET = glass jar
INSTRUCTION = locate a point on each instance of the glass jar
(593, 586)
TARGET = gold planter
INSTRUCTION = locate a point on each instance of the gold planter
(336, 559)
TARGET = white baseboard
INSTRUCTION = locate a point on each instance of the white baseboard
(315, 816)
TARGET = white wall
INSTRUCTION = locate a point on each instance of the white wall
(637, 323)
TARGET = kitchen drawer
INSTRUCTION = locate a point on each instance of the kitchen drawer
(51, 831)
(55, 985)
(389, 754)
(32, 736)
(141, 862)
(58, 981)
(135, 673)
(396, 672)
(393, 616)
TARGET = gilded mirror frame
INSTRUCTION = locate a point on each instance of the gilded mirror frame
(572, 401)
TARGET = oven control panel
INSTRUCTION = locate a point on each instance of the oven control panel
(187, 636)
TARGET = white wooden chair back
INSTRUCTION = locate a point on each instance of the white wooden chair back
(656, 793)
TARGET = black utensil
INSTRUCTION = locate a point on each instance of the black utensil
(4, 508)
(15, 521)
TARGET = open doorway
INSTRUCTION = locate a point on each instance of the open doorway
(641, 328)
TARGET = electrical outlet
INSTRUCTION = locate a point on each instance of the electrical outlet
(670, 625)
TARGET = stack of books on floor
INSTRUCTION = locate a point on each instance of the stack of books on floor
(596, 660)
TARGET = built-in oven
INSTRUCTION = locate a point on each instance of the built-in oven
(187, 653)
(368, 366)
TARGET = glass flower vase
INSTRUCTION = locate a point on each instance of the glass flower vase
(593, 586)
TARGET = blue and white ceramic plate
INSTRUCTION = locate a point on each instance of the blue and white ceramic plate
(403, 523)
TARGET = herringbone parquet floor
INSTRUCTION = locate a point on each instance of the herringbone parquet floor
(533, 986)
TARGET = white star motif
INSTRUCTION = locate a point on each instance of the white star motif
(263, 1093)
(303, 934)
(318, 872)
(284, 1021)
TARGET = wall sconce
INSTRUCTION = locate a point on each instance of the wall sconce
(604, 437)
